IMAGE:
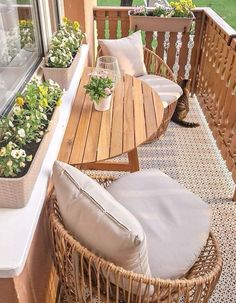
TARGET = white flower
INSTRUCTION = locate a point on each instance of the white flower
(11, 145)
(41, 133)
(10, 123)
(27, 118)
(40, 108)
(3, 151)
(22, 153)
(21, 133)
(15, 154)
(9, 163)
(157, 5)
(44, 116)
(17, 110)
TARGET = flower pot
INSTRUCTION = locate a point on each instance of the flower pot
(15, 192)
(62, 75)
(104, 104)
(160, 24)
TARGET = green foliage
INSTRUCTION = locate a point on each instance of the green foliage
(64, 44)
(26, 124)
(99, 86)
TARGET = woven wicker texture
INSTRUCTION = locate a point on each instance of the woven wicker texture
(87, 278)
(192, 158)
(15, 192)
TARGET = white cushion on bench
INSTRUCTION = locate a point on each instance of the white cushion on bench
(176, 222)
(168, 90)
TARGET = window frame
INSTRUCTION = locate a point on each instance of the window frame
(44, 28)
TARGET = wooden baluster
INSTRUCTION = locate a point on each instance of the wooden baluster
(149, 39)
(101, 21)
(124, 23)
(172, 50)
(113, 21)
(160, 44)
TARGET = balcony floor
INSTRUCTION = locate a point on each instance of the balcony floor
(191, 157)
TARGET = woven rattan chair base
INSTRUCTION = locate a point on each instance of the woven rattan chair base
(85, 277)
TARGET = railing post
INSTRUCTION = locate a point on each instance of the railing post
(82, 10)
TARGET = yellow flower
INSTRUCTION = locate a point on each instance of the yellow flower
(64, 19)
(76, 25)
(43, 90)
(23, 22)
(20, 101)
(59, 102)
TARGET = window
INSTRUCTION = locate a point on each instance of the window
(21, 36)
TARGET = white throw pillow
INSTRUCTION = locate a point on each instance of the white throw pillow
(128, 51)
(176, 221)
(98, 221)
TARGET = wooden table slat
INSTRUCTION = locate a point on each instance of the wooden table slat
(139, 116)
(150, 116)
(69, 137)
(91, 147)
(128, 128)
(116, 147)
(105, 135)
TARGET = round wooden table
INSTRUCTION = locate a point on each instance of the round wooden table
(91, 136)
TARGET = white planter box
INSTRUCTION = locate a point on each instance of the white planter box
(15, 192)
(62, 76)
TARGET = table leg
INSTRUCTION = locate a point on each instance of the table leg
(133, 160)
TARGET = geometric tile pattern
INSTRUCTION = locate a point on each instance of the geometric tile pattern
(190, 156)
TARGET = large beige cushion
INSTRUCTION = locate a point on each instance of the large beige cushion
(98, 221)
(168, 90)
(128, 51)
(176, 222)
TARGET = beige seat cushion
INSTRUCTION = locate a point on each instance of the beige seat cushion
(168, 90)
(98, 221)
(128, 51)
(176, 222)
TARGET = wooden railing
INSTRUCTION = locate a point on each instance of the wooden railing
(207, 56)
(216, 84)
(177, 49)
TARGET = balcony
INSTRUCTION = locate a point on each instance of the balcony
(202, 159)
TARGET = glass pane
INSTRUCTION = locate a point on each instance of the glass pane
(20, 45)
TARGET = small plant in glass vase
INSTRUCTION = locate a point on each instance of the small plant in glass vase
(175, 17)
(100, 89)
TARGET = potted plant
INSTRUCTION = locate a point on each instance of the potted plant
(63, 56)
(100, 89)
(24, 137)
(177, 17)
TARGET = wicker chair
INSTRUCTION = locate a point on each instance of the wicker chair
(85, 277)
(156, 66)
